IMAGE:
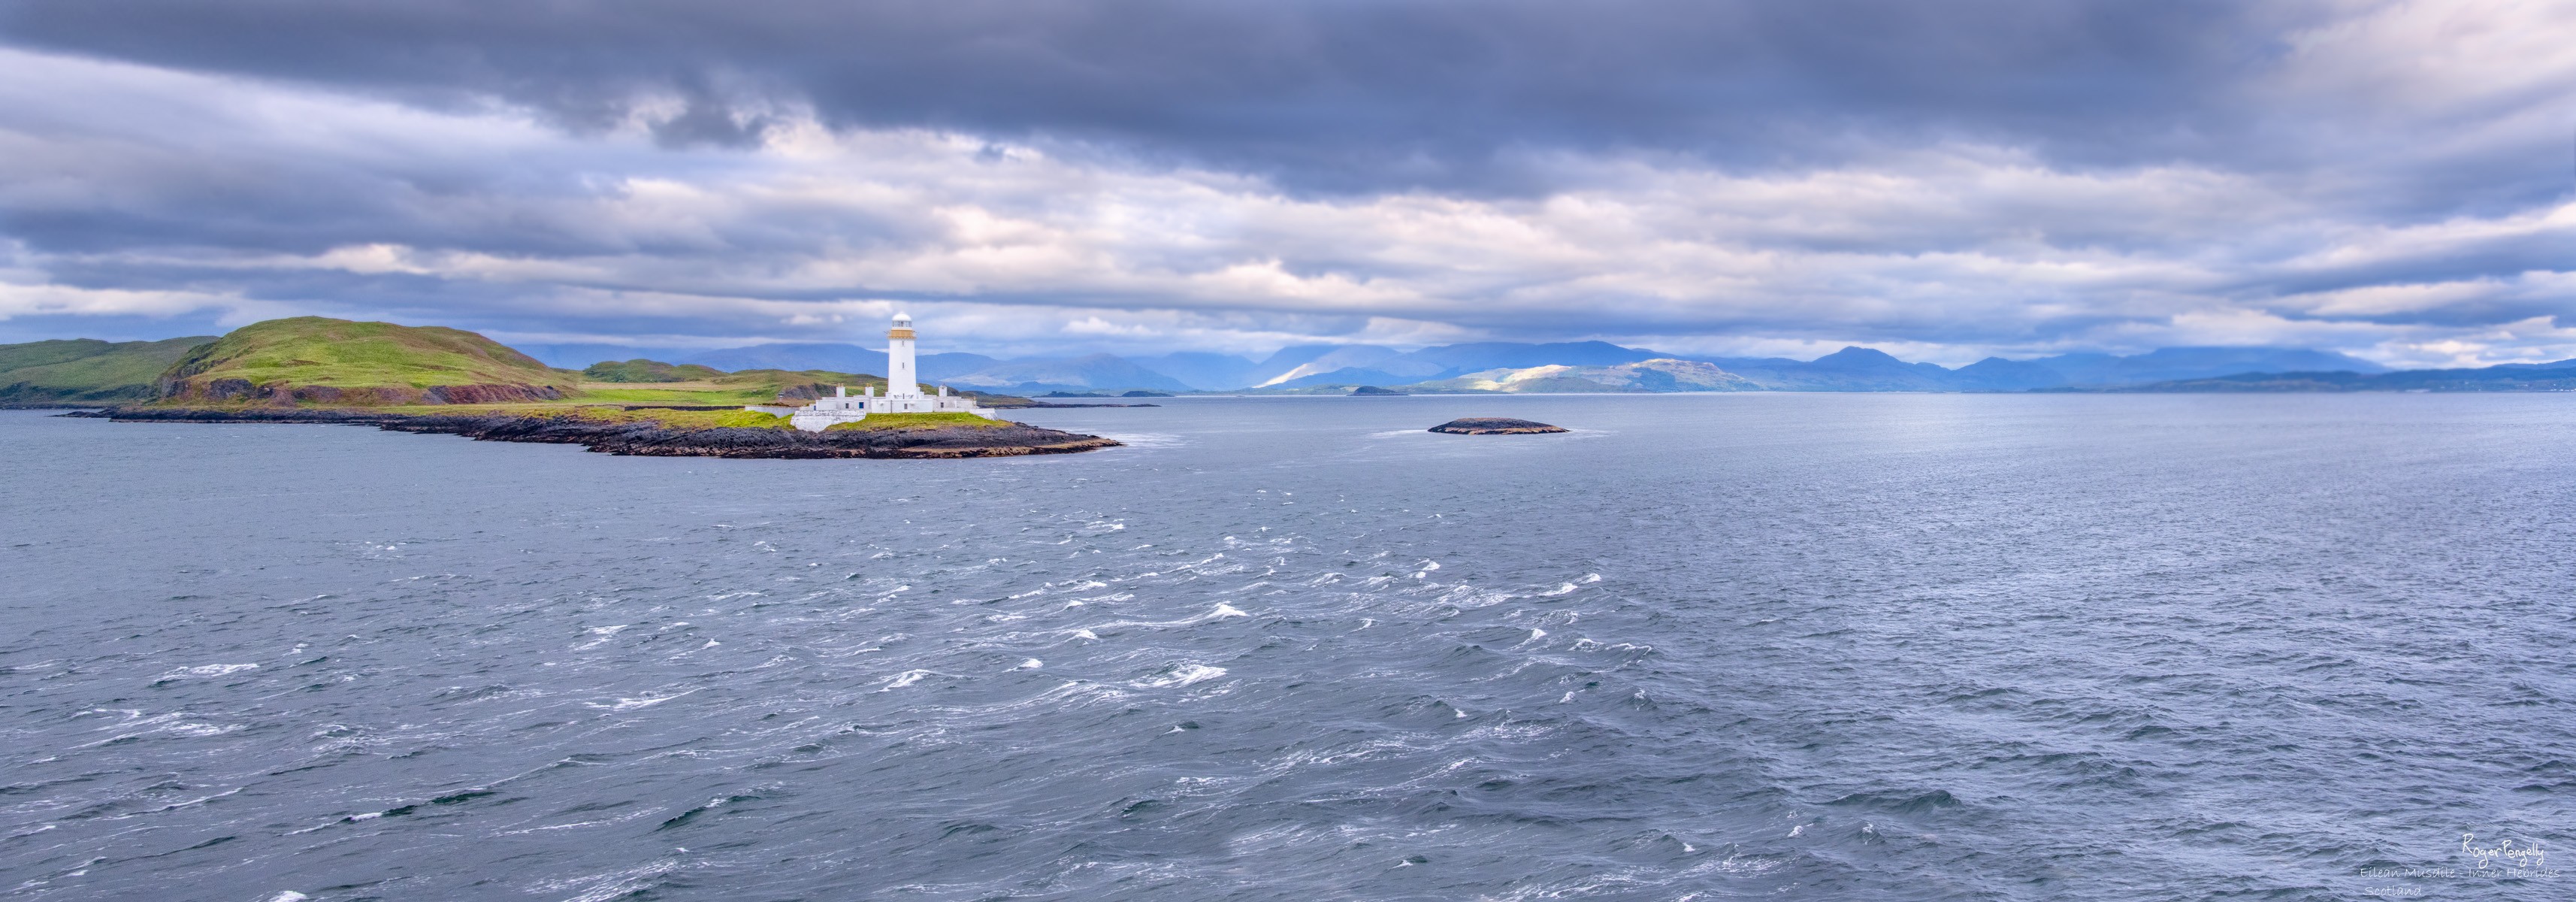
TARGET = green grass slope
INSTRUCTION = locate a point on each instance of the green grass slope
(311, 359)
(86, 370)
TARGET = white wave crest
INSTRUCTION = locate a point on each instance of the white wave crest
(1184, 675)
(645, 701)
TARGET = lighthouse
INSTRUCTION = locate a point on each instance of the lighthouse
(902, 395)
(902, 380)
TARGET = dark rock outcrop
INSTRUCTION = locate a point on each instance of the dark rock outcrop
(656, 440)
(1494, 426)
(227, 389)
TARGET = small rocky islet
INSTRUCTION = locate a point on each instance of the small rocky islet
(1495, 426)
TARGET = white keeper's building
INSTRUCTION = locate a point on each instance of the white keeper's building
(903, 392)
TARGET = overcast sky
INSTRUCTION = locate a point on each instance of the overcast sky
(1944, 180)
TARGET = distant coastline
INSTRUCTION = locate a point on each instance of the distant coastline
(2540, 378)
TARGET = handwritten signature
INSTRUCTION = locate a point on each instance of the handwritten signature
(2527, 855)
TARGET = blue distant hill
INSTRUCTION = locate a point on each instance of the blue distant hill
(1093, 371)
(2164, 364)
(1849, 369)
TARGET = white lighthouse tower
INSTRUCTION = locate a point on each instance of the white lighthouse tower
(901, 377)
(903, 392)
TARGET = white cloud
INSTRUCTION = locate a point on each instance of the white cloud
(41, 300)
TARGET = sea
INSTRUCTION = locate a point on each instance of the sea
(1701, 647)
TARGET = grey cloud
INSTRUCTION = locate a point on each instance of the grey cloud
(1513, 104)
(707, 121)
(220, 184)
(1336, 95)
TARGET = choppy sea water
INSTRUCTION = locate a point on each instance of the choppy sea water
(1704, 647)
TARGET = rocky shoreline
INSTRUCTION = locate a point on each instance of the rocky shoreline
(656, 440)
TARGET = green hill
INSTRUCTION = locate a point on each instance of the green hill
(86, 370)
(642, 370)
(312, 359)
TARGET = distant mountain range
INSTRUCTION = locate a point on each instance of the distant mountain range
(1500, 367)
(1864, 369)
(88, 371)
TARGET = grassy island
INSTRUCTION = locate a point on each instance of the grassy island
(432, 379)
